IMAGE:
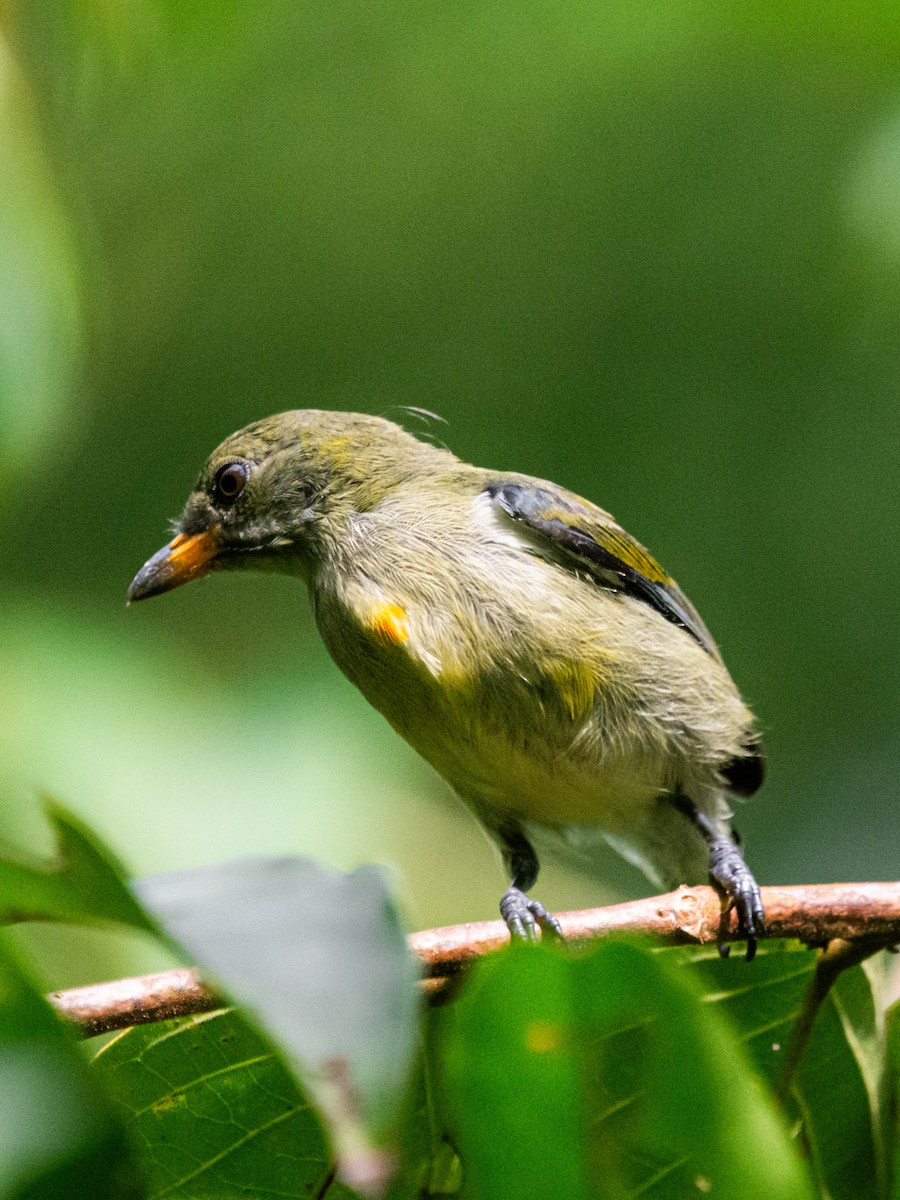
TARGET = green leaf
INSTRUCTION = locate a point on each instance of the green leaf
(608, 1077)
(893, 1089)
(83, 882)
(514, 1071)
(214, 1112)
(839, 1091)
(838, 1088)
(58, 1140)
(430, 1165)
(321, 959)
(677, 1106)
(760, 1000)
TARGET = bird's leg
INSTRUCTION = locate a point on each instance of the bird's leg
(520, 913)
(729, 874)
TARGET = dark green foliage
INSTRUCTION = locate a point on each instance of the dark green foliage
(213, 1111)
(840, 1092)
(621, 1072)
(82, 882)
(628, 1072)
(610, 1074)
(59, 1138)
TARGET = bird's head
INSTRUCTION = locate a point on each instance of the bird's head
(271, 494)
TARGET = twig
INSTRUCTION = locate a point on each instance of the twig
(837, 956)
(866, 913)
(103, 1007)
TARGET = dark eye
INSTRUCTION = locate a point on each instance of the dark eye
(229, 482)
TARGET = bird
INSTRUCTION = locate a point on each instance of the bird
(518, 638)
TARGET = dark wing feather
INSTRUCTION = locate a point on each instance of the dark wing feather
(584, 538)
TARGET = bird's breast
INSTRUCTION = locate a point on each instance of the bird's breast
(393, 649)
(521, 731)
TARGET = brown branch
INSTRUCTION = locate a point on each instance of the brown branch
(103, 1007)
(854, 912)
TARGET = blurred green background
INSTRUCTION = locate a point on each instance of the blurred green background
(648, 249)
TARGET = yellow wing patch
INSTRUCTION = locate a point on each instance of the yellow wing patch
(390, 624)
(607, 534)
(634, 555)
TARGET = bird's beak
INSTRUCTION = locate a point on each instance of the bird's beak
(187, 557)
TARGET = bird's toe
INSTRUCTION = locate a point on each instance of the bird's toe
(731, 875)
(523, 916)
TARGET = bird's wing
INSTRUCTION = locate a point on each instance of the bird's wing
(586, 540)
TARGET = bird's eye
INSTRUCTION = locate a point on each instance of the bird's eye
(229, 482)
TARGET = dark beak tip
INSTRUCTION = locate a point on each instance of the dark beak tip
(185, 558)
(155, 576)
(140, 588)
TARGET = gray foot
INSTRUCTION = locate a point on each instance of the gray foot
(731, 875)
(522, 916)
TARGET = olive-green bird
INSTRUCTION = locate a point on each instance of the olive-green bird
(518, 638)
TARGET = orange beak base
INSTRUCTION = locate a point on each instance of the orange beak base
(187, 557)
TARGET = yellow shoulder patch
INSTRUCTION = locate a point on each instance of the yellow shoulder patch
(576, 683)
(390, 624)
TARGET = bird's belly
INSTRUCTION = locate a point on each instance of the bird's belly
(510, 740)
(527, 783)
(507, 755)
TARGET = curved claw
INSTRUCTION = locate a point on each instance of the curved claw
(523, 916)
(731, 875)
(548, 923)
